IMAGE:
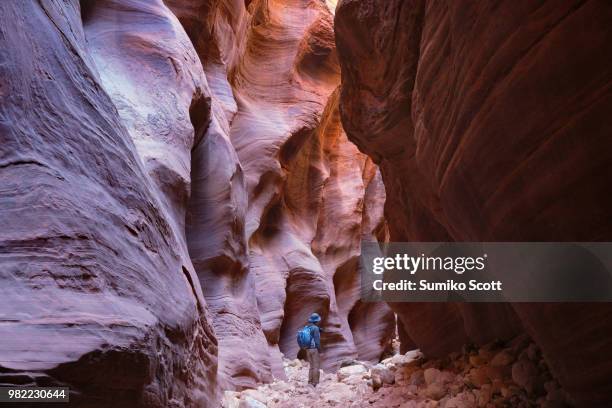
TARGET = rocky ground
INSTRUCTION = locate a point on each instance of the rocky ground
(496, 375)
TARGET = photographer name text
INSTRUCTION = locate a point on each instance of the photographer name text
(414, 264)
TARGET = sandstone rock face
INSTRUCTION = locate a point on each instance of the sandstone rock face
(272, 69)
(215, 224)
(158, 84)
(179, 195)
(97, 290)
(489, 124)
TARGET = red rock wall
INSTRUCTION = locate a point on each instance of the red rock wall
(490, 122)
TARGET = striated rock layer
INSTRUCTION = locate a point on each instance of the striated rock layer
(489, 123)
(301, 173)
(97, 291)
(272, 69)
(216, 217)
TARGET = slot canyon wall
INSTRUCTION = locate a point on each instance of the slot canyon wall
(178, 195)
(273, 73)
(97, 288)
(490, 121)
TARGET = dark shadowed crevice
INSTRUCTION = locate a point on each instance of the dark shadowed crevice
(352, 316)
(290, 149)
(271, 221)
(406, 343)
(346, 283)
(87, 8)
(199, 114)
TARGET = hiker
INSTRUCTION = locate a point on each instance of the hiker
(308, 338)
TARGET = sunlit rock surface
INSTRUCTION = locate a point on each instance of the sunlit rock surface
(307, 185)
(272, 71)
(489, 123)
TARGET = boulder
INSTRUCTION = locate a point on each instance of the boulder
(350, 362)
(352, 370)
(435, 391)
(260, 395)
(336, 393)
(435, 376)
(249, 402)
(484, 395)
(466, 399)
(408, 374)
(503, 358)
(403, 359)
(375, 382)
(231, 399)
(386, 375)
(478, 376)
(527, 376)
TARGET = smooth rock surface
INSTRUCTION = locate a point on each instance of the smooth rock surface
(97, 292)
(311, 195)
(489, 124)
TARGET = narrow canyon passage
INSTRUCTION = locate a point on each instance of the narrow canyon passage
(183, 182)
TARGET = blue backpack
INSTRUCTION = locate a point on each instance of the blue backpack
(304, 337)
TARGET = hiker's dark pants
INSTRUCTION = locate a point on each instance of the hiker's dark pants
(312, 355)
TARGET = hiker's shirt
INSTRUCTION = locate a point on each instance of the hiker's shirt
(315, 341)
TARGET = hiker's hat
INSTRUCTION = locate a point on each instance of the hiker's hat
(314, 318)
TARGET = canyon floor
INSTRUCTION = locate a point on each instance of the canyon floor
(495, 375)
